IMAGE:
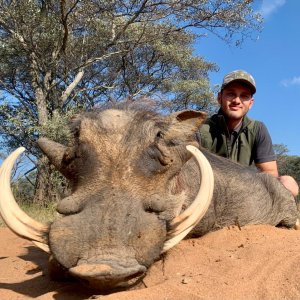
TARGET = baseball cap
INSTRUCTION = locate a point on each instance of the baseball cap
(240, 75)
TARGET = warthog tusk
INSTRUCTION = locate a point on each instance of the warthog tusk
(181, 225)
(15, 218)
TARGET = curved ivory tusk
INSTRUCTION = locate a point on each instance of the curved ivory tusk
(15, 218)
(185, 222)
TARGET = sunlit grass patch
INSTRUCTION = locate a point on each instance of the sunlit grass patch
(37, 212)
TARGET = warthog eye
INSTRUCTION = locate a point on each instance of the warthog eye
(152, 211)
(154, 207)
(160, 134)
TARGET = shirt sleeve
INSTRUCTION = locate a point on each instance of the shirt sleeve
(263, 148)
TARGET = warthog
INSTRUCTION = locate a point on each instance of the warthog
(139, 186)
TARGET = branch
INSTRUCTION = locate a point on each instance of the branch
(103, 57)
(17, 96)
(71, 86)
(80, 74)
(65, 25)
(130, 21)
(15, 34)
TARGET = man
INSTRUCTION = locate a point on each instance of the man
(230, 133)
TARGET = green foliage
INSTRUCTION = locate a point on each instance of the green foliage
(57, 128)
(290, 165)
(280, 150)
(287, 164)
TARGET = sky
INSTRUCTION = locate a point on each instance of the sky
(274, 61)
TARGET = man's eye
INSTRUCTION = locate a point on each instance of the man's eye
(230, 96)
(245, 97)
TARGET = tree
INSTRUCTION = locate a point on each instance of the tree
(58, 57)
(281, 152)
(287, 164)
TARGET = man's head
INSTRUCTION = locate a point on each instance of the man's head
(236, 95)
(242, 77)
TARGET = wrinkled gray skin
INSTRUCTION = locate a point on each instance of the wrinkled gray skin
(242, 196)
(131, 174)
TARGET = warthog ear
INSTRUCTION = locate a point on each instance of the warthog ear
(190, 115)
(184, 123)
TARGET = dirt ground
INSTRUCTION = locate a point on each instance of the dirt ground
(257, 262)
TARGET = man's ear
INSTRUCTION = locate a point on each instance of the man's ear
(185, 123)
(251, 103)
(220, 98)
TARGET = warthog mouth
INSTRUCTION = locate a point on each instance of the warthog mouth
(110, 274)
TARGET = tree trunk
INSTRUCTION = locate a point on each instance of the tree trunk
(50, 185)
(46, 188)
(42, 185)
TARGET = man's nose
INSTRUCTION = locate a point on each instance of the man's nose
(236, 99)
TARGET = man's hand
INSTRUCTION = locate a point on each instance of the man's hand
(288, 181)
(290, 184)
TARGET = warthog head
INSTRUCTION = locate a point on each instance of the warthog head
(130, 188)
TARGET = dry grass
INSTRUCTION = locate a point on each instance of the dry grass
(41, 214)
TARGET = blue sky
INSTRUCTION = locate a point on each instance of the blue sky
(274, 61)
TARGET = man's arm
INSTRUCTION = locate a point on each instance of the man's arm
(269, 167)
(265, 160)
(288, 181)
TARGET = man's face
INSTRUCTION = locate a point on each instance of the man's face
(235, 100)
